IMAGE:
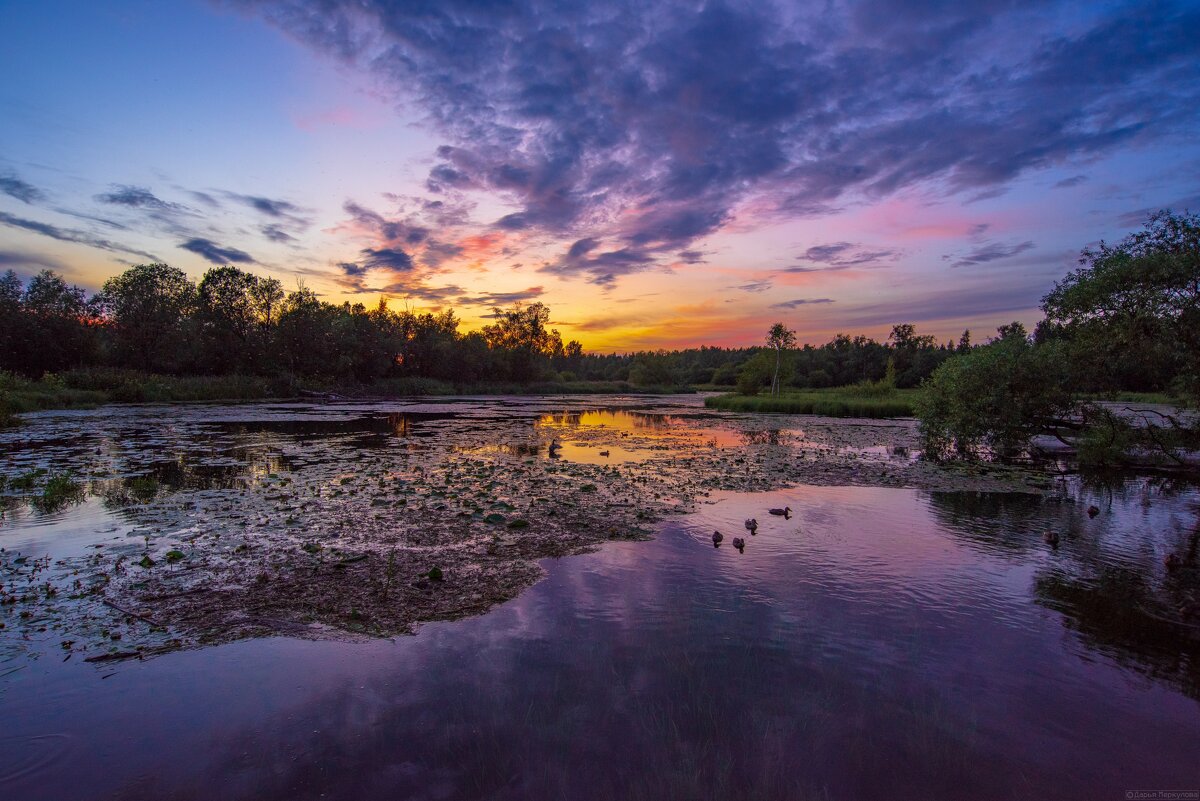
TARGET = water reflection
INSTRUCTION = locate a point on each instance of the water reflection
(881, 643)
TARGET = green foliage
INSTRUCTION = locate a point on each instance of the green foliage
(60, 490)
(997, 397)
(844, 402)
(1131, 312)
(652, 370)
(755, 373)
(883, 388)
(1107, 441)
(26, 480)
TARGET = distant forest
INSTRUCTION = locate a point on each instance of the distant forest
(152, 318)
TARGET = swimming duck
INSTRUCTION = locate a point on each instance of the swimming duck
(752, 526)
(1051, 538)
(1093, 511)
(739, 543)
(717, 537)
(604, 453)
(785, 512)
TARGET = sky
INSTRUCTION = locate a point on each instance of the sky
(661, 174)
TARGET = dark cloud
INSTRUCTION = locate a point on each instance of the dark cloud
(839, 256)
(648, 126)
(513, 222)
(412, 233)
(265, 205)
(798, 302)
(285, 217)
(13, 186)
(755, 286)
(137, 197)
(602, 268)
(429, 294)
(392, 259)
(502, 298)
(70, 235)
(276, 233)
(353, 270)
(216, 254)
(1074, 180)
(992, 251)
(390, 230)
(205, 198)
(13, 258)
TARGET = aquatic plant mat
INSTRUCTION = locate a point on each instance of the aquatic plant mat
(129, 531)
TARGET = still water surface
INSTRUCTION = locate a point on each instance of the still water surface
(880, 643)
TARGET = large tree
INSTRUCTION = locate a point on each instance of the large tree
(521, 333)
(147, 308)
(1132, 310)
(60, 324)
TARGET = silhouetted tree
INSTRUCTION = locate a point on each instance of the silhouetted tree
(147, 308)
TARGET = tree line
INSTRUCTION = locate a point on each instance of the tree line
(153, 318)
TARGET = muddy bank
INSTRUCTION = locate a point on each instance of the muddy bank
(342, 520)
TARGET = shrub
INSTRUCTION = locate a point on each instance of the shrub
(997, 397)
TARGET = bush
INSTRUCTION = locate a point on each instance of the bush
(997, 397)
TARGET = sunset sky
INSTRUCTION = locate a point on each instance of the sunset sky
(660, 174)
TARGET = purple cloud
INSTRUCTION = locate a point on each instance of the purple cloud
(646, 127)
(211, 251)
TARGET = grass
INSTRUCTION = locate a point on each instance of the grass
(1164, 398)
(91, 387)
(60, 490)
(853, 401)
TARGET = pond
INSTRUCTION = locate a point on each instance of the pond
(904, 632)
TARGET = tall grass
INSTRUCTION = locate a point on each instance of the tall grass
(840, 402)
(90, 387)
(23, 395)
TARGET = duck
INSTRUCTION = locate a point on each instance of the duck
(604, 453)
(752, 526)
(1093, 511)
(785, 512)
(1051, 538)
(717, 537)
(1172, 561)
(739, 543)
(555, 447)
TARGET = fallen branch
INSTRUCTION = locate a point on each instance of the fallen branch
(142, 618)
